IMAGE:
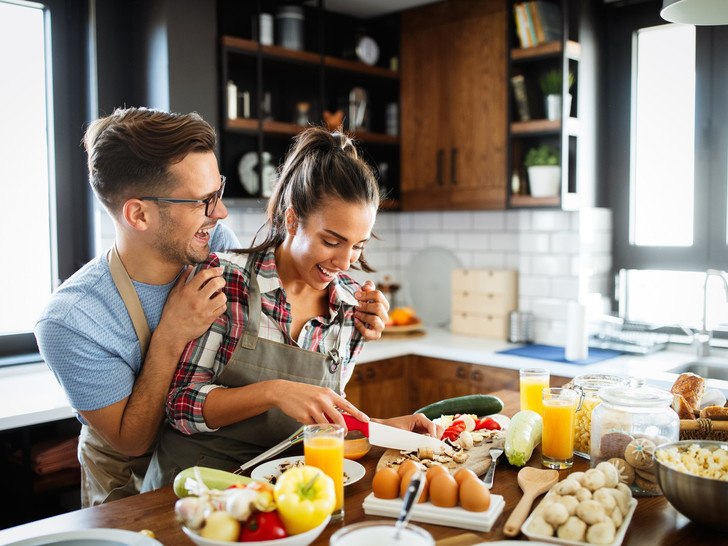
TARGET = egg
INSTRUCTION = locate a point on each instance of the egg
(474, 495)
(444, 491)
(404, 484)
(406, 467)
(385, 484)
(463, 473)
(435, 470)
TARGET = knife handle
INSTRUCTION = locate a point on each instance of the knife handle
(354, 424)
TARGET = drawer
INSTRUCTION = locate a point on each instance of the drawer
(483, 303)
(472, 324)
(487, 281)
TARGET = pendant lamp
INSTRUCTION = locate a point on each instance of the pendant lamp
(695, 12)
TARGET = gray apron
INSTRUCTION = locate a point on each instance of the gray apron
(254, 359)
(106, 474)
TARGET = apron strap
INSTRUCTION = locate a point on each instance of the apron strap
(131, 299)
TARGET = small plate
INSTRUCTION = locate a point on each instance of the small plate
(91, 537)
(354, 470)
(556, 540)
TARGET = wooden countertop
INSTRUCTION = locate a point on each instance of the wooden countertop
(654, 522)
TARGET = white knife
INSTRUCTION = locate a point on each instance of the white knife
(393, 438)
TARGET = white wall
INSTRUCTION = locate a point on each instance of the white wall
(560, 256)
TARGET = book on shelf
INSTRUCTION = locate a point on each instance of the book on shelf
(521, 25)
(536, 22)
(520, 97)
(529, 23)
(547, 17)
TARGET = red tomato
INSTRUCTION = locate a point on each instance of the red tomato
(263, 526)
(487, 423)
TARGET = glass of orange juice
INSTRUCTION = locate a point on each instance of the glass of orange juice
(323, 447)
(532, 383)
(557, 443)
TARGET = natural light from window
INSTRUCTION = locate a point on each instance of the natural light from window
(663, 135)
(26, 278)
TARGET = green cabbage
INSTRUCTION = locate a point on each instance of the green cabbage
(523, 435)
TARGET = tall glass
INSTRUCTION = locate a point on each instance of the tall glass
(557, 444)
(323, 447)
(532, 383)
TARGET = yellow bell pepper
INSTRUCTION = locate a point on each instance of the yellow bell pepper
(305, 496)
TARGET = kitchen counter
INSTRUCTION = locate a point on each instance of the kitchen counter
(30, 394)
(655, 521)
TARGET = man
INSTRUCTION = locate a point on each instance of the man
(113, 333)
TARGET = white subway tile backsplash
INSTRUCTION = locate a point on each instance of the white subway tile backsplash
(534, 286)
(489, 220)
(565, 242)
(534, 243)
(566, 288)
(489, 260)
(551, 220)
(469, 240)
(552, 264)
(518, 220)
(457, 220)
(440, 239)
(427, 221)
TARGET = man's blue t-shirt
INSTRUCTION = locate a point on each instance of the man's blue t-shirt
(86, 337)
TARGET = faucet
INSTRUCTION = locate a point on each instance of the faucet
(701, 338)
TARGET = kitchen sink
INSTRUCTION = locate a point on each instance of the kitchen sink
(708, 368)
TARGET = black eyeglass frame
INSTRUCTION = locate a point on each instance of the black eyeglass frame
(210, 202)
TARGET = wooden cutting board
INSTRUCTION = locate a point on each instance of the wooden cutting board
(478, 461)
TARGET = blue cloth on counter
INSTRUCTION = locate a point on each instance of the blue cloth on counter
(556, 354)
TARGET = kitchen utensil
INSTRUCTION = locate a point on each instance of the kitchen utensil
(414, 489)
(533, 482)
(293, 439)
(391, 437)
(495, 452)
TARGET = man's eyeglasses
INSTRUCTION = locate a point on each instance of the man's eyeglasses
(210, 202)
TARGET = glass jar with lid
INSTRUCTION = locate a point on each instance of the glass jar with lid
(588, 388)
(630, 422)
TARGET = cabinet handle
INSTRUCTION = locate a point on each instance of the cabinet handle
(439, 166)
(370, 373)
(357, 375)
(460, 373)
(476, 376)
(453, 164)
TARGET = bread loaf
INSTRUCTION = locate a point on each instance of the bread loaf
(691, 387)
(681, 407)
(714, 412)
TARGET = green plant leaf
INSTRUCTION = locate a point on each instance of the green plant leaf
(543, 155)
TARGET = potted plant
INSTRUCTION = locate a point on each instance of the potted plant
(544, 171)
(551, 86)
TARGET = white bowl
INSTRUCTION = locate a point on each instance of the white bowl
(302, 539)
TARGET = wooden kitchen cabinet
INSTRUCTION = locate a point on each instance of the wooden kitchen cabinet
(381, 388)
(454, 106)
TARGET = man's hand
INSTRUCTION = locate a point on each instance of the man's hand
(192, 306)
(371, 314)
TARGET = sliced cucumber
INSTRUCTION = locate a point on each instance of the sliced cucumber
(477, 404)
(212, 477)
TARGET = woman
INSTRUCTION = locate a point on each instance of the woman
(295, 321)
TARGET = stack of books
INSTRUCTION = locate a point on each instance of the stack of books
(537, 22)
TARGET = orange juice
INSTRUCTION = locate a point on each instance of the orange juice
(558, 429)
(532, 392)
(327, 453)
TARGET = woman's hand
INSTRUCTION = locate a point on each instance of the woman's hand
(311, 404)
(371, 314)
(416, 422)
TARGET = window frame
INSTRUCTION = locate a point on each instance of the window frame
(709, 249)
(67, 25)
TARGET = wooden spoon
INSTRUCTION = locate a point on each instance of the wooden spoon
(533, 482)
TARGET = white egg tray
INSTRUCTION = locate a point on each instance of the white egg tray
(426, 512)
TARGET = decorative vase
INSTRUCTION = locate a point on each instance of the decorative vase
(544, 180)
(554, 104)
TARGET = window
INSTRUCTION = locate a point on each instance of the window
(42, 172)
(666, 165)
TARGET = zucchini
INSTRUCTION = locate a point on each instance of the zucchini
(212, 477)
(522, 436)
(476, 404)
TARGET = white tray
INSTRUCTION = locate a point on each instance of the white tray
(427, 513)
(556, 540)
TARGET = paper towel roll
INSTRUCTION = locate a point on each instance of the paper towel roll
(577, 342)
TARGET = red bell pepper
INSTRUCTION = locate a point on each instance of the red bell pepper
(263, 526)
(487, 423)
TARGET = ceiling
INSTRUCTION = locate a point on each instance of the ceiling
(366, 9)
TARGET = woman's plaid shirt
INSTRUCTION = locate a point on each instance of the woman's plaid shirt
(204, 359)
